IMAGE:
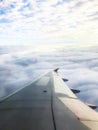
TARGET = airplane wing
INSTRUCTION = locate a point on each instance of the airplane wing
(46, 104)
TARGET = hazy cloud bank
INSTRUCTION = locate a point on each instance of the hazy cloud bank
(80, 66)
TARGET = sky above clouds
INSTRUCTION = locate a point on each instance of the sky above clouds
(48, 21)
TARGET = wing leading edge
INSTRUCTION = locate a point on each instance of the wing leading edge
(46, 104)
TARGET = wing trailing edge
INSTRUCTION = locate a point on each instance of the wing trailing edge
(47, 104)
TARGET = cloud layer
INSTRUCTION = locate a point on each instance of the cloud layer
(80, 66)
(66, 19)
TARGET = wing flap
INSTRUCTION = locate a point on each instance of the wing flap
(84, 113)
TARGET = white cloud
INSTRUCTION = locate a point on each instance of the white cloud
(51, 18)
(79, 65)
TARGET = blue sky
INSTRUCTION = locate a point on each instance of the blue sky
(48, 21)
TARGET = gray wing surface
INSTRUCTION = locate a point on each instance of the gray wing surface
(46, 104)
